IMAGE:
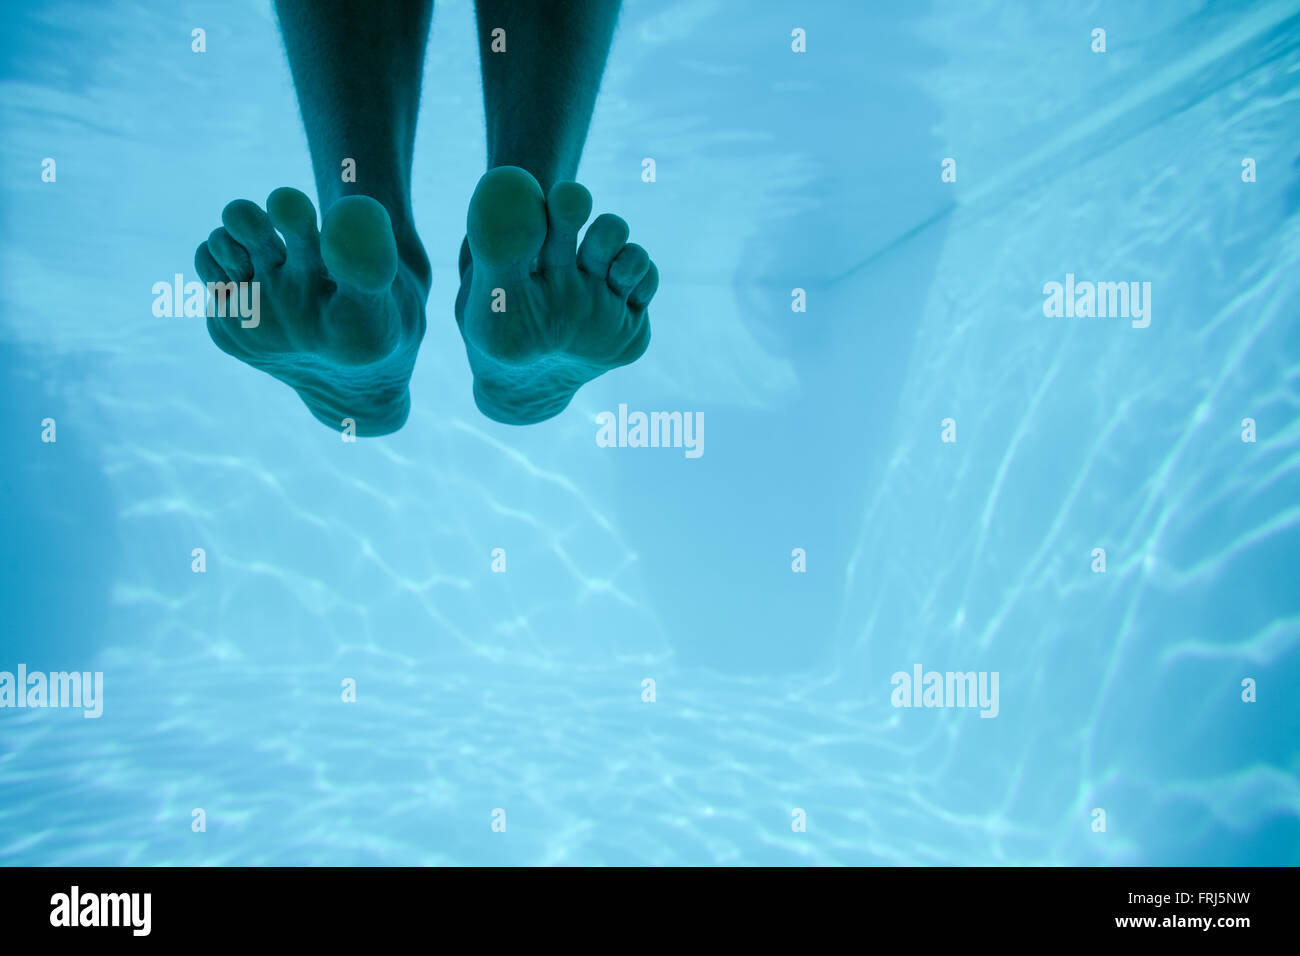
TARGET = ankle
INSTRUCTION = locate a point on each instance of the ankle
(410, 251)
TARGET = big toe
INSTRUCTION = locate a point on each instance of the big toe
(357, 245)
(507, 219)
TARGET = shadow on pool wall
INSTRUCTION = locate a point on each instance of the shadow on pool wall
(59, 545)
(716, 535)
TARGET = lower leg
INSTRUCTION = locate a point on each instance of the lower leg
(539, 93)
(357, 69)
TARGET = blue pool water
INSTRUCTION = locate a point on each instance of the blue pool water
(522, 691)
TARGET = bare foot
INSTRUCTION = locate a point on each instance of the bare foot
(540, 316)
(341, 310)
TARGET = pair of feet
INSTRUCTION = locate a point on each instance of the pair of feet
(342, 308)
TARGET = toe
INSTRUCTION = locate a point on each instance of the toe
(357, 245)
(567, 209)
(507, 220)
(645, 289)
(252, 229)
(230, 255)
(291, 212)
(605, 237)
(207, 267)
(628, 268)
